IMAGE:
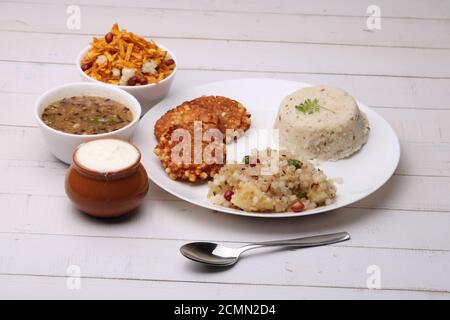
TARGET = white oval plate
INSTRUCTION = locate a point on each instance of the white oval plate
(361, 174)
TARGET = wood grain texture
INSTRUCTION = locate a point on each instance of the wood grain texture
(216, 25)
(173, 219)
(153, 259)
(40, 287)
(402, 71)
(431, 9)
(248, 56)
(382, 91)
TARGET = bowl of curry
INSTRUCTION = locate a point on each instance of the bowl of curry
(74, 113)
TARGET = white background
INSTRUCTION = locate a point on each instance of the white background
(402, 70)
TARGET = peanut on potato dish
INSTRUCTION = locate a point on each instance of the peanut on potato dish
(259, 184)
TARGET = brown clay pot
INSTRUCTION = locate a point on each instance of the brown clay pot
(106, 195)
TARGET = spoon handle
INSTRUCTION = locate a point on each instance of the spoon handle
(312, 241)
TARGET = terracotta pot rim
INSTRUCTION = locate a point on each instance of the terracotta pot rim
(125, 172)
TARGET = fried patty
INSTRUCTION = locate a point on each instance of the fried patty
(214, 112)
(233, 116)
(183, 115)
(223, 112)
(179, 167)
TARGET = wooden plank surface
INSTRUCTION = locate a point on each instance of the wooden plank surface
(40, 287)
(402, 71)
(378, 91)
(152, 259)
(215, 25)
(431, 9)
(172, 219)
(250, 56)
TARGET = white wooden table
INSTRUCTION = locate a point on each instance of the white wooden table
(400, 234)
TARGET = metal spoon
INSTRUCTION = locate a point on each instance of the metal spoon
(217, 255)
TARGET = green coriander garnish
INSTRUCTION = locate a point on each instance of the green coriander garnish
(300, 194)
(309, 106)
(296, 163)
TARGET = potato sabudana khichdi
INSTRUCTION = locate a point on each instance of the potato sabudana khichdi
(260, 184)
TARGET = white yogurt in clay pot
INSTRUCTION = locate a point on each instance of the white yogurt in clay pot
(106, 178)
(107, 155)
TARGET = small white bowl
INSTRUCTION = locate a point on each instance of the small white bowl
(148, 95)
(63, 144)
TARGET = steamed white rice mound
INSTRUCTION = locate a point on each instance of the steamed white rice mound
(335, 131)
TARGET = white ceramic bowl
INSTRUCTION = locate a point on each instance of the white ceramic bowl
(148, 95)
(63, 144)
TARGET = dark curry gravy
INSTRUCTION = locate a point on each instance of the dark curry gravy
(86, 115)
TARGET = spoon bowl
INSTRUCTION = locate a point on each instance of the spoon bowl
(210, 253)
